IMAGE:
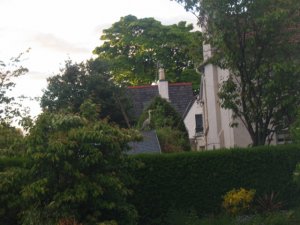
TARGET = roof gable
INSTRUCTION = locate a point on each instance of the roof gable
(180, 97)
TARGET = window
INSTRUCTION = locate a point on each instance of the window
(199, 123)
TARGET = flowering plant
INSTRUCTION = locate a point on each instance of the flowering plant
(238, 201)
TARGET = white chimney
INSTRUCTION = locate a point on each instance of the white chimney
(163, 86)
(161, 74)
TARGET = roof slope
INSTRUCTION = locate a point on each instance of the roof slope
(149, 144)
(180, 94)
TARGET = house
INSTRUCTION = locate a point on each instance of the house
(180, 96)
(217, 130)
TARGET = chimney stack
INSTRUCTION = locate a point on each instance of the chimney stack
(161, 74)
(163, 85)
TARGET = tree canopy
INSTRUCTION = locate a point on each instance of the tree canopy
(258, 42)
(74, 168)
(78, 170)
(136, 47)
(76, 83)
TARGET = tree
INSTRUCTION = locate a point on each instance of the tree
(9, 108)
(258, 42)
(171, 131)
(136, 47)
(11, 140)
(12, 146)
(78, 171)
(79, 82)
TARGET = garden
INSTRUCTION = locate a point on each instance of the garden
(238, 186)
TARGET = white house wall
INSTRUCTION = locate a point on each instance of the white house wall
(219, 133)
(189, 119)
(190, 124)
(212, 109)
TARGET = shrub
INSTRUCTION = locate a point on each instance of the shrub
(238, 201)
(79, 170)
(198, 180)
(269, 202)
(170, 140)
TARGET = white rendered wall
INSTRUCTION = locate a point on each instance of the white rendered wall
(190, 124)
(189, 120)
(217, 121)
(211, 107)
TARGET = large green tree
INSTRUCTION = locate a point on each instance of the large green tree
(77, 171)
(136, 47)
(258, 41)
(79, 82)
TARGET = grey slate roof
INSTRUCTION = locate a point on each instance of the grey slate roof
(180, 94)
(149, 144)
(141, 97)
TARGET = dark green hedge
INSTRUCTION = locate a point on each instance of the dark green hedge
(199, 180)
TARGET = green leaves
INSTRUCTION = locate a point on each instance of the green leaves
(134, 48)
(78, 169)
(256, 40)
(87, 83)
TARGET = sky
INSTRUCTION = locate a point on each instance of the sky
(58, 30)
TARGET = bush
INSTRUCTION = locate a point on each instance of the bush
(198, 180)
(170, 140)
(238, 201)
(78, 172)
(269, 203)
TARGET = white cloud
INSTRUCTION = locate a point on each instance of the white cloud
(54, 43)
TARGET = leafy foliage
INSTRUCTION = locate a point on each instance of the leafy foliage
(238, 201)
(11, 141)
(77, 169)
(67, 91)
(198, 180)
(9, 108)
(171, 131)
(269, 202)
(11, 180)
(258, 41)
(135, 47)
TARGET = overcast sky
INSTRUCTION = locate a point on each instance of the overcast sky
(57, 30)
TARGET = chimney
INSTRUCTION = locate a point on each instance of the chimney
(163, 86)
